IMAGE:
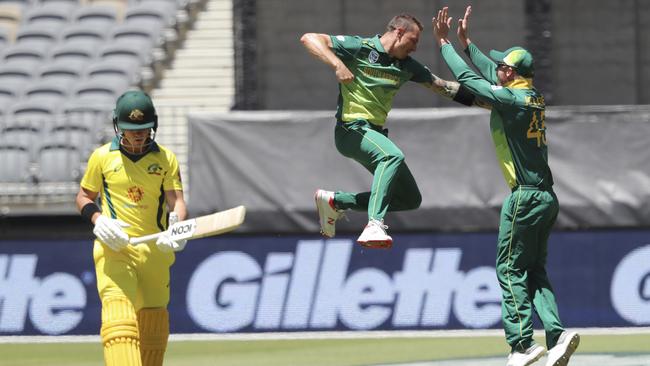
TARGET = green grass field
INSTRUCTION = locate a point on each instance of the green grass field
(312, 352)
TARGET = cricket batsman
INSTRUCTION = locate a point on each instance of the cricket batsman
(141, 193)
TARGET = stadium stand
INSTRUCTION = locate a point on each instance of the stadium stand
(16, 74)
(64, 62)
(104, 92)
(46, 92)
(60, 72)
(8, 95)
(48, 15)
(37, 35)
(96, 16)
(118, 5)
(59, 162)
(30, 55)
(109, 70)
(77, 55)
(90, 36)
(15, 162)
(24, 134)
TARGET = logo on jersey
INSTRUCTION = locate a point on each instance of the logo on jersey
(136, 115)
(373, 56)
(135, 193)
(341, 38)
(154, 169)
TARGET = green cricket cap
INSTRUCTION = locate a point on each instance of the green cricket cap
(516, 57)
(134, 110)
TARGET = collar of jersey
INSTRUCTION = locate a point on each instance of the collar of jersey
(115, 145)
(520, 83)
(377, 43)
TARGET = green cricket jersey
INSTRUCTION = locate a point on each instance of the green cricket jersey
(377, 78)
(517, 118)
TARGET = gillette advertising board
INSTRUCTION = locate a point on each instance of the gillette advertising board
(304, 283)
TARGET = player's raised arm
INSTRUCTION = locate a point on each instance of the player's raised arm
(320, 45)
(463, 28)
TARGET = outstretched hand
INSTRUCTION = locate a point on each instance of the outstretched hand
(441, 25)
(463, 28)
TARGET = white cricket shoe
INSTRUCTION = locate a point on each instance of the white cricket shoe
(532, 354)
(566, 345)
(374, 236)
(327, 213)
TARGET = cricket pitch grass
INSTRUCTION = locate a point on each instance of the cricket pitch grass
(594, 350)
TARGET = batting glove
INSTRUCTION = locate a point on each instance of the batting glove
(165, 243)
(109, 231)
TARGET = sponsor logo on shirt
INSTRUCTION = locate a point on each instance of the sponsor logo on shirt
(394, 79)
(373, 56)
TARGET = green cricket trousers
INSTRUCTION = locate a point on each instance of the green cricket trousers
(527, 216)
(393, 186)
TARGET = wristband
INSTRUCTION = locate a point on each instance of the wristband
(89, 210)
(464, 96)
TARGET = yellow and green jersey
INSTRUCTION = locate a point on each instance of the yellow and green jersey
(516, 122)
(377, 78)
(133, 190)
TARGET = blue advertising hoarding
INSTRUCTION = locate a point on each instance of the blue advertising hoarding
(304, 283)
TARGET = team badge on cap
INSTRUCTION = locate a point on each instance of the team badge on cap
(136, 115)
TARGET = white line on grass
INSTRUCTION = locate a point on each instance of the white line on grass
(317, 335)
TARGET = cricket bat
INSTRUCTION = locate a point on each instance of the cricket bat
(199, 227)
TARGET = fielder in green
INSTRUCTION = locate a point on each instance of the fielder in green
(370, 71)
(529, 212)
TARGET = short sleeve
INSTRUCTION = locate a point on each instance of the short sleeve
(172, 180)
(92, 179)
(346, 47)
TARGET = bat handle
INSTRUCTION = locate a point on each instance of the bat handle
(144, 239)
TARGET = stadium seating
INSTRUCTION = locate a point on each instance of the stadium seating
(84, 35)
(76, 54)
(62, 65)
(15, 162)
(27, 55)
(48, 15)
(60, 72)
(126, 70)
(59, 163)
(37, 35)
(78, 136)
(16, 74)
(8, 95)
(19, 133)
(102, 92)
(45, 92)
(94, 16)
